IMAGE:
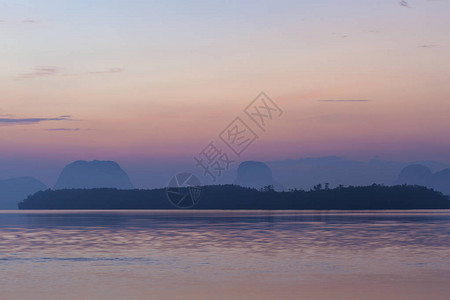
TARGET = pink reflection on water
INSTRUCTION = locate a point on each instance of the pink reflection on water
(224, 255)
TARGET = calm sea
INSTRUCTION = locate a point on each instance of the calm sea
(224, 255)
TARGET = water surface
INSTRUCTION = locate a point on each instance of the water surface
(224, 255)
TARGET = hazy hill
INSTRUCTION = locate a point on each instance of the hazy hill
(255, 174)
(414, 174)
(441, 181)
(93, 174)
(422, 175)
(14, 190)
(304, 173)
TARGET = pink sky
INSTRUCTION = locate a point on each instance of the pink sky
(158, 82)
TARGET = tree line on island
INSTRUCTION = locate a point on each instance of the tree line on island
(236, 197)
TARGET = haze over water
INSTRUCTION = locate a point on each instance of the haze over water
(224, 255)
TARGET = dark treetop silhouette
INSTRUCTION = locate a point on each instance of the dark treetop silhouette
(236, 197)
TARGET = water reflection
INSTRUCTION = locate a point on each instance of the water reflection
(212, 244)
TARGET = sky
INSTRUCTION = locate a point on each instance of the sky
(151, 83)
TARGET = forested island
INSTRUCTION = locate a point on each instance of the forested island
(236, 197)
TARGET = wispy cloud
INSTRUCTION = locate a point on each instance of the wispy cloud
(2, 114)
(31, 21)
(48, 71)
(26, 21)
(344, 117)
(44, 71)
(108, 71)
(404, 4)
(344, 100)
(28, 121)
(343, 35)
(62, 129)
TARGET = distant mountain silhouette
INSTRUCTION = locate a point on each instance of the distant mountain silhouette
(414, 174)
(255, 174)
(14, 190)
(93, 174)
(304, 173)
(421, 175)
(441, 181)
